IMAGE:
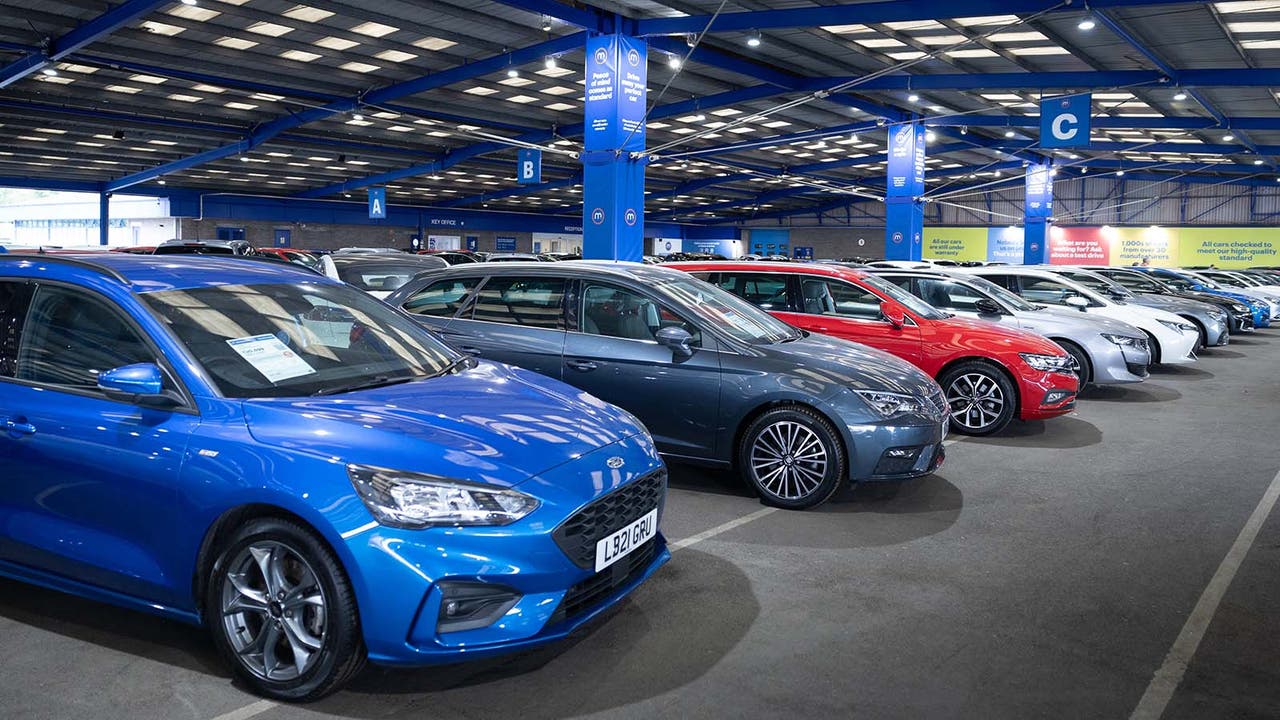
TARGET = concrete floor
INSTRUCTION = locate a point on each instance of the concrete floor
(1044, 573)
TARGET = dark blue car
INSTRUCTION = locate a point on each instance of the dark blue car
(308, 473)
(1260, 309)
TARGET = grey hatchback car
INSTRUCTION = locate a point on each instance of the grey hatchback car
(716, 380)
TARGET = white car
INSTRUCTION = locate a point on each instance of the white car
(1172, 338)
(903, 264)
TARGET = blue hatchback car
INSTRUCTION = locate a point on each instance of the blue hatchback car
(1260, 309)
(306, 472)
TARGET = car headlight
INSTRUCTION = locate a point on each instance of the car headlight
(415, 500)
(1237, 307)
(1177, 326)
(1122, 340)
(1049, 363)
(889, 404)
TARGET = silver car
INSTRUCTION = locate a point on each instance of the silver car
(1108, 351)
(1210, 320)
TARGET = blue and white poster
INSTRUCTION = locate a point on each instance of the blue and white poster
(378, 203)
(1064, 121)
(473, 243)
(506, 244)
(906, 161)
(1039, 191)
(528, 166)
(617, 78)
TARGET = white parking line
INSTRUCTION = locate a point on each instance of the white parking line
(248, 711)
(723, 528)
(1166, 680)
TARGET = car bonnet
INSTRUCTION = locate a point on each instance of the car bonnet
(849, 364)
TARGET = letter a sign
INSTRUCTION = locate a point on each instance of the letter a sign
(378, 203)
(528, 166)
(1064, 121)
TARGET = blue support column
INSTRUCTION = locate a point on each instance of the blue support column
(612, 173)
(904, 212)
(104, 218)
(1038, 215)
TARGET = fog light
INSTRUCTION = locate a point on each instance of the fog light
(469, 606)
(1053, 397)
(900, 452)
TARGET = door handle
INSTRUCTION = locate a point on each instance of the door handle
(19, 428)
(581, 365)
(469, 350)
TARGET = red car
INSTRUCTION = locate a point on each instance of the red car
(291, 255)
(990, 373)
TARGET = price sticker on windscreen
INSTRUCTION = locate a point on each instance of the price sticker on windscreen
(271, 357)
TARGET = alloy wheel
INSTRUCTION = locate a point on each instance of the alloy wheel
(273, 611)
(976, 400)
(789, 460)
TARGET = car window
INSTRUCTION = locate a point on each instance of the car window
(898, 280)
(1009, 282)
(948, 295)
(514, 300)
(441, 298)
(15, 298)
(1134, 282)
(767, 291)
(617, 312)
(832, 297)
(382, 277)
(71, 336)
(1049, 292)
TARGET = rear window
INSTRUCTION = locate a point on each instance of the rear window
(442, 298)
(531, 302)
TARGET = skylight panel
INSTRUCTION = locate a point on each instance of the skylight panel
(1040, 50)
(267, 97)
(939, 39)
(126, 89)
(374, 29)
(269, 29)
(558, 90)
(208, 88)
(515, 82)
(916, 25)
(1260, 44)
(987, 20)
(1005, 37)
(1253, 6)
(335, 43)
(480, 90)
(776, 124)
(972, 53)
(879, 42)
(400, 128)
(179, 97)
(560, 107)
(306, 13)
(300, 55)
(359, 67)
(148, 79)
(73, 67)
(906, 55)
(240, 106)
(433, 43)
(360, 123)
(160, 28)
(555, 72)
(395, 56)
(846, 29)
(55, 79)
(522, 99)
(234, 43)
(193, 12)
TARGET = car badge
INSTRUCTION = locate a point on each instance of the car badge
(615, 462)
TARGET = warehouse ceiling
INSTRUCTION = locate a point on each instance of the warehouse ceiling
(326, 98)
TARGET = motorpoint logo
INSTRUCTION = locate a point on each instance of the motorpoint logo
(897, 237)
(597, 216)
(633, 57)
(601, 56)
(629, 217)
(903, 134)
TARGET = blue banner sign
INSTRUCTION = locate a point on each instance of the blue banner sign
(616, 77)
(906, 161)
(1064, 121)
(377, 203)
(528, 166)
(1039, 191)
(506, 244)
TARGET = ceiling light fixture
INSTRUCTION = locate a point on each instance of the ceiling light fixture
(1087, 23)
(161, 181)
(546, 24)
(188, 2)
(929, 136)
(1180, 96)
(1119, 173)
(1228, 137)
(513, 73)
(244, 158)
(853, 137)
(357, 117)
(1009, 133)
(50, 72)
(699, 117)
(1258, 161)
(673, 62)
(550, 62)
(913, 98)
(753, 40)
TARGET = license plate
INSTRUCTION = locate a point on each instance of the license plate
(621, 543)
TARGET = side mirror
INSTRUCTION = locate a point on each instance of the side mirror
(894, 313)
(987, 306)
(678, 339)
(1077, 302)
(141, 384)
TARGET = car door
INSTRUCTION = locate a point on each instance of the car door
(612, 353)
(842, 309)
(514, 319)
(88, 485)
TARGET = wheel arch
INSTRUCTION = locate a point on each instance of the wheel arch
(773, 404)
(992, 362)
(1063, 341)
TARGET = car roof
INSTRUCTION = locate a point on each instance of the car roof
(158, 273)
(830, 270)
(387, 259)
(598, 269)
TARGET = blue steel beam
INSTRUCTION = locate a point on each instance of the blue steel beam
(867, 13)
(31, 183)
(1108, 123)
(1082, 80)
(265, 132)
(514, 192)
(103, 25)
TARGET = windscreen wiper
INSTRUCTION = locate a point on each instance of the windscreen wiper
(463, 361)
(376, 381)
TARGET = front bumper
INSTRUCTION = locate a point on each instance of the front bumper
(1045, 395)
(401, 576)
(1118, 364)
(891, 451)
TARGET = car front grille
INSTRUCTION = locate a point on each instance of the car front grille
(588, 593)
(939, 404)
(578, 535)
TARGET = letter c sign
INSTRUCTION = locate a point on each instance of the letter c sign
(1064, 121)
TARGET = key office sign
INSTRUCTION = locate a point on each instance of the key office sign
(1064, 121)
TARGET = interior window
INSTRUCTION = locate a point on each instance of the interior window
(830, 297)
(948, 295)
(442, 298)
(1046, 291)
(531, 302)
(764, 290)
(70, 337)
(620, 313)
(15, 298)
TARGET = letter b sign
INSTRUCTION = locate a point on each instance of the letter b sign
(529, 166)
(1064, 121)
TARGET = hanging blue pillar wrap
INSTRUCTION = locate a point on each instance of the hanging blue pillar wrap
(1038, 214)
(104, 218)
(904, 212)
(613, 181)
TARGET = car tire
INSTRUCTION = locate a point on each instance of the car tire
(1202, 335)
(981, 398)
(792, 457)
(282, 612)
(1155, 348)
(1082, 360)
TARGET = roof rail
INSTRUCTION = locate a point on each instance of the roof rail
(72, 260)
